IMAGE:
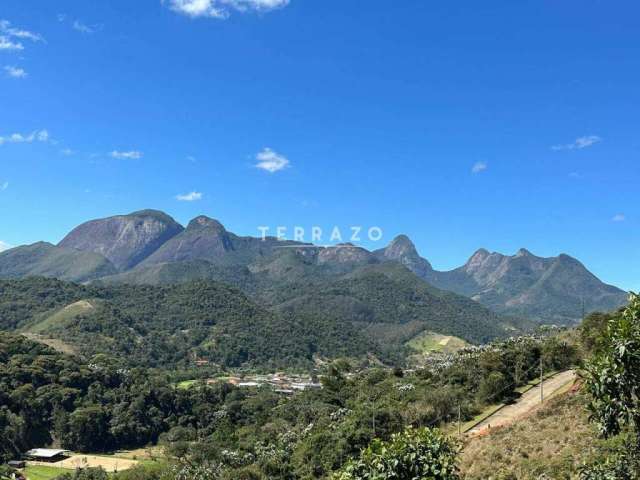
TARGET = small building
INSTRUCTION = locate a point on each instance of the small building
(46, 454)
(248, 384)
(16, 463)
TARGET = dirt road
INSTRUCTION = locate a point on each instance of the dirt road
(527, 402)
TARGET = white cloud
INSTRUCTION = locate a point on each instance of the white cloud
(4, 186)
(479, 167)
(78, 25)
(15, 72)
(618, 218)
(9, 31)
(82, 28)
(7, 44)
(129, 155)
(222, 8)
(36, 136)
(579, 143)
(189, 197)
(4, 246)
(10, 37)
(271, 161)
(67, 152)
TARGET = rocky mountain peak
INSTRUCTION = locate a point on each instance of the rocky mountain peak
(125, 240)
(203, 221)
(401, 249)
(479, 256)
(400, 246)
(523, 252)
(345, 253)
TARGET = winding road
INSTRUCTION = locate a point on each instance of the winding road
(527, 402)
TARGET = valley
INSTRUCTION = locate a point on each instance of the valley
(330, 240)
(135, 332)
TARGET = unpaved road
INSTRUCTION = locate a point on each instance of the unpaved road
(527, 402)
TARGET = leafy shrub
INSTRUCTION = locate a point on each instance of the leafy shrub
(85, 474)
(414, 454)
(613, 375)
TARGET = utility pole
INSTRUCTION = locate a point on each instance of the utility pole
(374, 422)
(541, 381)
(459, 421)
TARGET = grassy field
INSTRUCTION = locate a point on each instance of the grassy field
(60, 317)
(186, 384)
(39, 472)
(433, 342)
(190, 383)
(551, 443)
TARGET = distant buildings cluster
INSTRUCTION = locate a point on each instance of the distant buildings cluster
(280, 382)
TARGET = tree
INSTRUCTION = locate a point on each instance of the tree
(415, 454)
(87, 430)
(6, 473)
(613, 375)
(613, 382)
(85, 474)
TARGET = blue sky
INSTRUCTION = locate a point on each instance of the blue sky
(466, 124)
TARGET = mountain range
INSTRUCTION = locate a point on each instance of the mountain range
(150, 247)
(547, 290)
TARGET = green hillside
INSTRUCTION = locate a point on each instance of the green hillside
(435, 342)
(173, 325)
(388, 302)
(44, 259)
(393, 304)
(60, 317)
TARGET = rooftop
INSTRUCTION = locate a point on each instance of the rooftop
(45, 452)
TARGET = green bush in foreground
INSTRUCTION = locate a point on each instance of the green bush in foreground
(423, 454)
(613, 382)
(613, 375)
(97, 473)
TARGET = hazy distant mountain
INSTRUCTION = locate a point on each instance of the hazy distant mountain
(44, 259)
(548, 290)
(125, 240)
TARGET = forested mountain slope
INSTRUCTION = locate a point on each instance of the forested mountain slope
(171, 325)
(47, 260)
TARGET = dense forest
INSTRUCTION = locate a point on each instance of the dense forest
(372, 311)
(171, 326)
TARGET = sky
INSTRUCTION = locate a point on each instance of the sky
(465, 124)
